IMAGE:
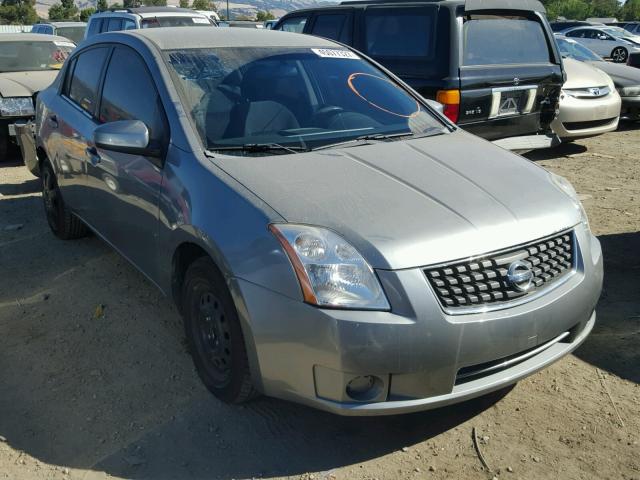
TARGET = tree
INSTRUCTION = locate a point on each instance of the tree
(184, 3)
(85, 13)
(571, 9)
(18, 12)
(102, 5)
(156, 3)
(57, 12)
(264, 16)
(605, 8)
(202, 5)
(66, 10)
(631, 10)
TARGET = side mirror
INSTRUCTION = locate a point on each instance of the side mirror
(125, 136)
(436, 106)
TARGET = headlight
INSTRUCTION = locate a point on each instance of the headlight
(16, 107)
(630, 91)
(565, 185)
(331, 272)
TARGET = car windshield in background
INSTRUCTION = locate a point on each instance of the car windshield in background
(72, 33)
(496, 40)
(571, 49)
(289, 99)
(31, 56)
(182, 21)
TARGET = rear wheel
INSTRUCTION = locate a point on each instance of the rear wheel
(214, 333)
(619, 55)
(63, 223)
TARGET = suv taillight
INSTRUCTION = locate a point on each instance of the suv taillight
(451, 101)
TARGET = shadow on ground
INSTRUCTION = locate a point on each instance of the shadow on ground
(614, 345)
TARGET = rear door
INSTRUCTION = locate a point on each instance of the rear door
(510, 73)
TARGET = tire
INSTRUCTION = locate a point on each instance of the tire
(619, 55)
(4, 143)
(214, 334)
(64, 224)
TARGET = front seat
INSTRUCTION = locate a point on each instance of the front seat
(256, 113)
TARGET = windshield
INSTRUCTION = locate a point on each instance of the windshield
(72, 33)
(182, 21)
(292, 97)
(571, 49)
(29, 56)
(618, 32)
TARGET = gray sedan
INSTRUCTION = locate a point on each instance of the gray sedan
(327, 236)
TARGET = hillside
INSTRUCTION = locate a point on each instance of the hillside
(247, 7)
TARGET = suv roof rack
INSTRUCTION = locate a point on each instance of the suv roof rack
(148, 10)
(470, 5)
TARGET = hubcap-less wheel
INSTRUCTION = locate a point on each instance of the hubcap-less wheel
(51, 198)
(619, 55)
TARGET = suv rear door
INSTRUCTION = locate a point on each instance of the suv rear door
(332, 24)
(510, 73)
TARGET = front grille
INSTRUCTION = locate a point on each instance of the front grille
(483, 280)
(589, 124)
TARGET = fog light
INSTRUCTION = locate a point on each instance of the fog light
(364, 388)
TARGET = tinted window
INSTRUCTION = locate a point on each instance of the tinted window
(128, 24)
(583, 33)
(47, 29)
(400, 32)
(336, 26)
(83, 89)
(72, 33)
(129, 93)
(156, 22)
(494, 40)
(114, 25)
(293, 24)
(22, 56)
(94, 27)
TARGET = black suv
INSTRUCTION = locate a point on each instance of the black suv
(493, 63)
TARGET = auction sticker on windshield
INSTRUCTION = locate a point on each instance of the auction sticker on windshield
(331, 53)
(200, 20)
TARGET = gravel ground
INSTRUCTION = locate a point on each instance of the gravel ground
(95, 380)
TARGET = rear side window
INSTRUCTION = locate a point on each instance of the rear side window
(94, 27)
(128, 24)
(400, 32)
(293, 24)
(156, 22)
(498, 40)
(47, 29)
(83, 87)
(130, 94)
(336, 26)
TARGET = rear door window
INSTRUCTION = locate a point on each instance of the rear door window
(400, 32)
(85, 79)
(500, 40)
(114, 25)
(94, 27)
(294, 24)
(128, 24)
(335, 26)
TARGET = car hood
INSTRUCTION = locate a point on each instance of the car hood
(622, 75)
(25, 84)
(582, 75)
(412, 203)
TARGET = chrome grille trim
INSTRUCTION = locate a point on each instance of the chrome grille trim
(515, 252)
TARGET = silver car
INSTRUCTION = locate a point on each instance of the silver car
(327, 236)
(613, 42)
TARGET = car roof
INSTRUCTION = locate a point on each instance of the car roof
(475, 5)
(31, 37)
(65, 24)
(171, 38)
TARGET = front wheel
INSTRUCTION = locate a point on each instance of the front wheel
(619, 55)
(214, 333)
(63, 223)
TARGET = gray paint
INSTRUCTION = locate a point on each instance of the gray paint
(403, 204)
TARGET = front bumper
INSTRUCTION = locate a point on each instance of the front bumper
(580, 117)
(309, 355)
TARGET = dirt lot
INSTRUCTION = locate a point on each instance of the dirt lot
(95, 380)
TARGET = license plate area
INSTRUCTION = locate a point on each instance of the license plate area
(512, 101)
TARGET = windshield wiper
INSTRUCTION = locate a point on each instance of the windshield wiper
(364, 139)
(258, 148)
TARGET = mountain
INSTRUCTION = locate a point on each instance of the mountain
(237, 7)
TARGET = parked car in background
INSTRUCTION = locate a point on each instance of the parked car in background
(632, 27)
(269, 24)
(29, 63)
(589, 103)
(74, 31)
(453, 52)
(564, 25)
(625, 78)
(327, 236)
(211, 15)
(145, 17)
(609, 42)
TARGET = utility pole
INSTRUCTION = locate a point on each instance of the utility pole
(228, 15)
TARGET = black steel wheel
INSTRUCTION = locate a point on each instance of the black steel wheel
(214, 333)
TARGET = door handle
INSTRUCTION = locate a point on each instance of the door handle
(53, 121)
(93, 155)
